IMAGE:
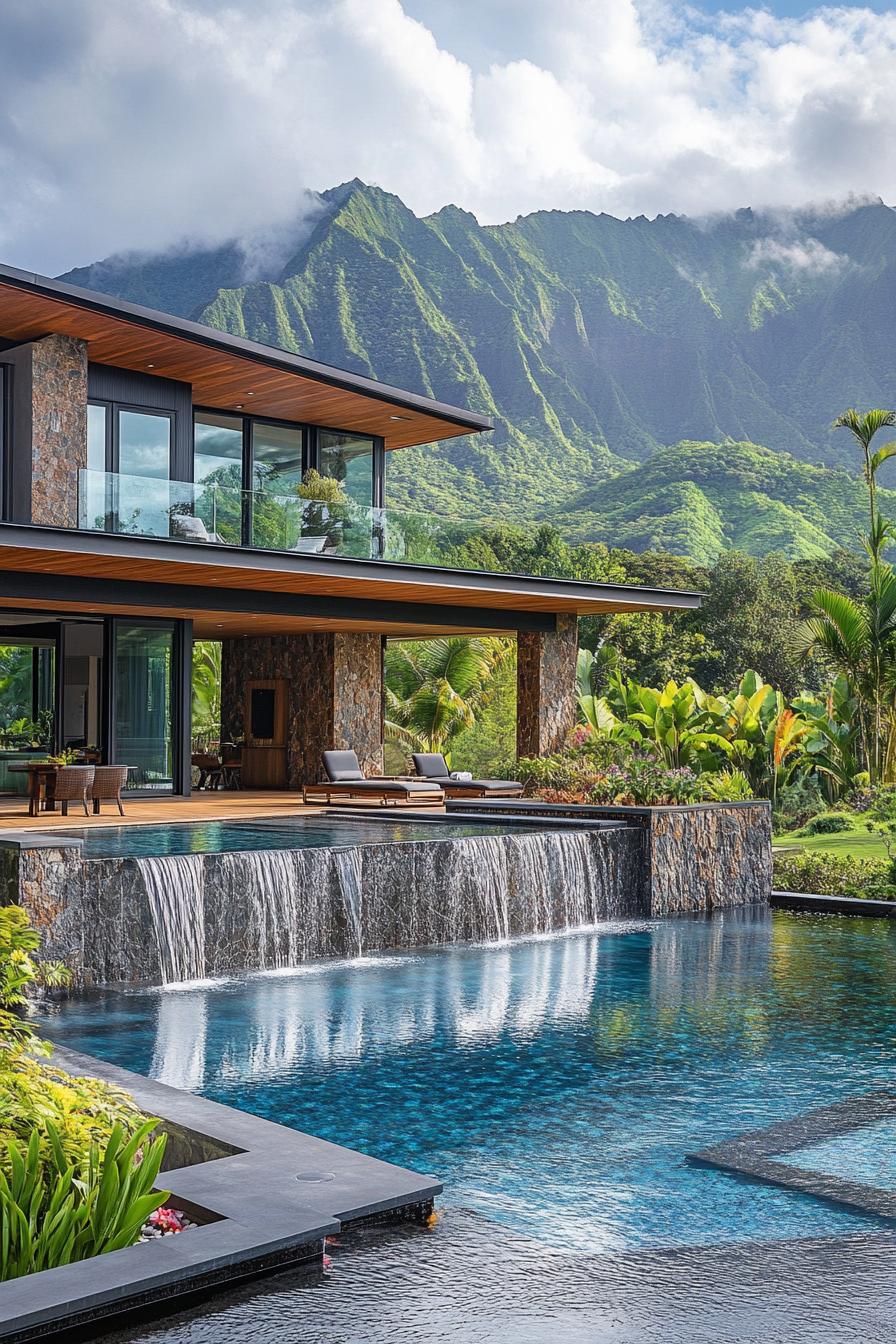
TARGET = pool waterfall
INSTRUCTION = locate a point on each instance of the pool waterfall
(287, 906)
(165, 905)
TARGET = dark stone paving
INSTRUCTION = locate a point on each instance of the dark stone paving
(757, 1155)
(267, 1195)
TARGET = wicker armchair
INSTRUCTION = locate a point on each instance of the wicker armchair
(108, 782)
(73, 782)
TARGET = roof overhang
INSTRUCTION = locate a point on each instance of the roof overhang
(226, 372)
(230, 590)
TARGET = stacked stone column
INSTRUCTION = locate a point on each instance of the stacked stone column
(335, 695)
(546, 687)
(51, 415)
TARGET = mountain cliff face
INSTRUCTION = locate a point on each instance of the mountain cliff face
(631, 367)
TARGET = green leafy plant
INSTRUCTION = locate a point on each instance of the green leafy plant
(54, 1211)
(33, 1094)
(18, 971)
(434, 687)
(68, 756)
(829, 823)
(834, 875)
(725, 786)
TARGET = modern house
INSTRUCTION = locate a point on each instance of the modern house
(151, 470)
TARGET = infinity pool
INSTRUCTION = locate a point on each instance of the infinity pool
(217, 837)
(555, 1085)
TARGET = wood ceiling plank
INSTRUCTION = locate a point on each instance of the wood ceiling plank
(221, 380)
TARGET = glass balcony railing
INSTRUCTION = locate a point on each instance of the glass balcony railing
(146, 506)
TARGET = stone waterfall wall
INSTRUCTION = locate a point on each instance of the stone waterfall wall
(253, 910)
(174, 918)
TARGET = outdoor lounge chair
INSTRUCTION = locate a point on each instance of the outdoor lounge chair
(432, 766)
(346, 780)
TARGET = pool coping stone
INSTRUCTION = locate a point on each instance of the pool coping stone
(263, 1216)
(814, 903)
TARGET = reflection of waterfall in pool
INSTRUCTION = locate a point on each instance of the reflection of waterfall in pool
(269, 909)
(174, 889)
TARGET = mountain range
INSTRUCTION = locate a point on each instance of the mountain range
(665, 382)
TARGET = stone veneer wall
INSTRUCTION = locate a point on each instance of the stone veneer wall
(546, 687)
(708, 858)
(255, 910)
(335, 695)
(58, 428)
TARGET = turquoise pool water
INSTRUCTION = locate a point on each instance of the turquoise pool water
(867, 1155)
(216, 837)
(555, 1085)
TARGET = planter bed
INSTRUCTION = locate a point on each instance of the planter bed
(263, 1196)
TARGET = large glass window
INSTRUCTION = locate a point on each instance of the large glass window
(276, 458)
(144, 500)
(275, 506)
(144, 444)
(96, 437)
(144, 704)
(218, 474)
(348, 458)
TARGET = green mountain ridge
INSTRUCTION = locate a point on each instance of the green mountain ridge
(633, 367)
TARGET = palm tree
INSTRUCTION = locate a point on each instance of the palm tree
(857, 638)
(435, 686)
(863, 425)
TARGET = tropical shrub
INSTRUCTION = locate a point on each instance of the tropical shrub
(575, 769)
(726, 786)
(35, 1097)
(644, 781)
(19, 970)
(54, 1211)
(834, 875)
(829, 823)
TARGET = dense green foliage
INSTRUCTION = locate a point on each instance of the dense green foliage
(835, 875)
(54, 1211)
(435, 687)
(596, 344)
(76, 1163)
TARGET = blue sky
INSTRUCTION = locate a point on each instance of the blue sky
(126, 126)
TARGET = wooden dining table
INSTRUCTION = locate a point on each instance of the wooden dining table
(38, 773)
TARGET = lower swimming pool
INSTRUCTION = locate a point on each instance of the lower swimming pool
(555, 1085)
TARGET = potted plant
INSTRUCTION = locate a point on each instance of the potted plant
(326, 509)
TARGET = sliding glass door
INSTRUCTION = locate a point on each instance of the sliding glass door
(145, 719)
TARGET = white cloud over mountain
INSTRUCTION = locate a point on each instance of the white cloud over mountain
(136, 125)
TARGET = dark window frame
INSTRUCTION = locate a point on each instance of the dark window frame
(113, 430)
(310, 454)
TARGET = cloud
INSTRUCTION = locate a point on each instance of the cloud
(127, 126)
(806, 255)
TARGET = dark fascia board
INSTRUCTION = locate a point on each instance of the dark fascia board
(269, 355)
(186, 599)
(237, 558)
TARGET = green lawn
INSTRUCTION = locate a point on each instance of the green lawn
(859, 843)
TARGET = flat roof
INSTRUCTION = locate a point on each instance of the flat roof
(232, 590)
(226, 372)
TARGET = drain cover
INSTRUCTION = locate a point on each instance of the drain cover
(316, 1177)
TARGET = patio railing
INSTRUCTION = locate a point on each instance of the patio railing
(208, 512)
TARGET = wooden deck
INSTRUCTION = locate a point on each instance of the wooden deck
(206, 806)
